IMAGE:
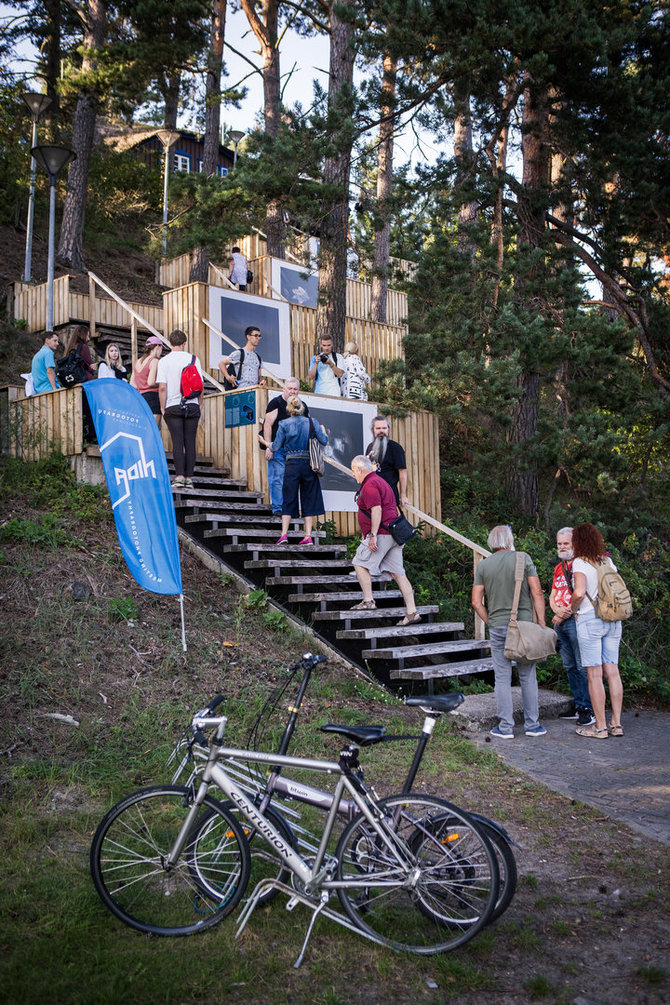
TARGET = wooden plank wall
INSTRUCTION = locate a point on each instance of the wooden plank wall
(186, 306)
(109, 312)
(359, 294)
(44, 422)
(30, 303)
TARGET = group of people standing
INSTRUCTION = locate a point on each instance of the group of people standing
(589, 646)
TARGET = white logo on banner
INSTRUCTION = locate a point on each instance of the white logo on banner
(140, 469)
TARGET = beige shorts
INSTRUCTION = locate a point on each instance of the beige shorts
(386, 559)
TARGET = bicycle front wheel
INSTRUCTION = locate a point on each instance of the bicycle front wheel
(128, 863)
(425, 881)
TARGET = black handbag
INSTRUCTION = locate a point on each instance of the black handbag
(71, 369)
(400, 529)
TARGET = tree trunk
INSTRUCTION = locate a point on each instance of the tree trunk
(331, 310)
(210, 157)
(468, 211)
(380, 273)
(265, 30)
(52, 70)
(70, 248)
(522, 478)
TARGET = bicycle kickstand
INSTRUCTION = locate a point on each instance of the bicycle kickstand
(317, 910)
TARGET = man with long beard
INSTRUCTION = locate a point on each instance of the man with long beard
(389, 457)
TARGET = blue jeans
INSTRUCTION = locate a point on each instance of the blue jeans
(502, 668)
(276, 468)
(577, 676)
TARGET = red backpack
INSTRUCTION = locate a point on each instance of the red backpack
(191, 381)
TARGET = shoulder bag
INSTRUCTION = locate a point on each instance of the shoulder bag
(526, 641)
(400, 529)
(316, 461)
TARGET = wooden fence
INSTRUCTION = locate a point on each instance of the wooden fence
(33, 427)
(30, 303)
(186, 307)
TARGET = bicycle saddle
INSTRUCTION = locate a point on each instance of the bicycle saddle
(364, 735)
(438, 702)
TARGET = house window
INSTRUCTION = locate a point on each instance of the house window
(199, 165)
(223, 171)
(182, 161)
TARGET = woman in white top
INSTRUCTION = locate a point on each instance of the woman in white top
(598, 640)
(112, 364)
(355, 376)
(237, 264)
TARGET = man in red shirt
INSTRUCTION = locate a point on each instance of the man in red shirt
(378, 554)
(566, 629)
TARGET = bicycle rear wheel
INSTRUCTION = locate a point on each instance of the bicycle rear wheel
(506, 865)
(128, 854)
(428, 883)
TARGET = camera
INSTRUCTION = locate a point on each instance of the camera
(323, 357)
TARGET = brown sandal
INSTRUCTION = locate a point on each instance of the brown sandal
(410, 619)
(365, 605)
(592, 733)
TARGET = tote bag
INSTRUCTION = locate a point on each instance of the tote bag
(526, 642)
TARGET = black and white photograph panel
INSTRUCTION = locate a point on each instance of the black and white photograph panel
(232, 313)
(295, 283)
(348, 429)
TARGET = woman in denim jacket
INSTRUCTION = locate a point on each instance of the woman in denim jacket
(299, 479)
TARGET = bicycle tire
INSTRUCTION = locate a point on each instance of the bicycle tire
(127, 855)
(260, 849)
(507, 869)
(433, 891)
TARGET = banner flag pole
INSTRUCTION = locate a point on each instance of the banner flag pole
(183, 628)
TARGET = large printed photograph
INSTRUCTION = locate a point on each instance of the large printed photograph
(232, 312)
(295, 283)
(347, 423)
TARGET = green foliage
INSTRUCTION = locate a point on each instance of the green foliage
(45, 532)
(257, 600)
(276, 620)
(123, 609)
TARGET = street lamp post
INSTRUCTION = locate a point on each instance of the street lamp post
(167, 138)
(37, 103)
(236, 135)
(52, 160)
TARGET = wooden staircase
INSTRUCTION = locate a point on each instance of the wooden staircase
(315, 583)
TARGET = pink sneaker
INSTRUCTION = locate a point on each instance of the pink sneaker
(306, 540)
(282, 540)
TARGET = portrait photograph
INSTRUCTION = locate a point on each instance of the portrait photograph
(233, 312)
(295, 283)
(347, 424)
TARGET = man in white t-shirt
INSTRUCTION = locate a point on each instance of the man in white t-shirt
(181, 418)
(324, 370)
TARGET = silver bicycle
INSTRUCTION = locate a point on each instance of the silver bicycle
(411, 872)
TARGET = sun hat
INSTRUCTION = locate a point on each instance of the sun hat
(154, 340)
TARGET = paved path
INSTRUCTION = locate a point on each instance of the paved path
(628, 777)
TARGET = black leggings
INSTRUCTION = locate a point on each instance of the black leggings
(183, 426)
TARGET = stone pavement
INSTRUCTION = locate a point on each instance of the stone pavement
(626, 777)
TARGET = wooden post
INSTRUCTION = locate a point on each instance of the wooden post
(133, 341)
(92, 306)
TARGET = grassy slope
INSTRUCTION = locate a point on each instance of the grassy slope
(126, 682)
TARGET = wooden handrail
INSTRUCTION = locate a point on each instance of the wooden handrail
(145, 324)
(223, 276)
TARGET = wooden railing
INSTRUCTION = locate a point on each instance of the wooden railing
(32, 428)
(29, 303)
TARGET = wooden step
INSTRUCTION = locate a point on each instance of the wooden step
(430, 628)
(312, 581)
(226, 503)
(337, 598)
(260, 532)
(380, 614)
(208, 516)
(203, 482)
(295, 563)
(205, 471)
(436, 670)
(263, 548)
(239, 494)
(200, 459)
(413, 652)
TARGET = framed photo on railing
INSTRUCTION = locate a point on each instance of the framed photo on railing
(232, 312)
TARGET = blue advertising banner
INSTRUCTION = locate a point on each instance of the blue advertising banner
(135, 467)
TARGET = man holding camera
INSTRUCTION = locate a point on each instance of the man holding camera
(324, 370)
